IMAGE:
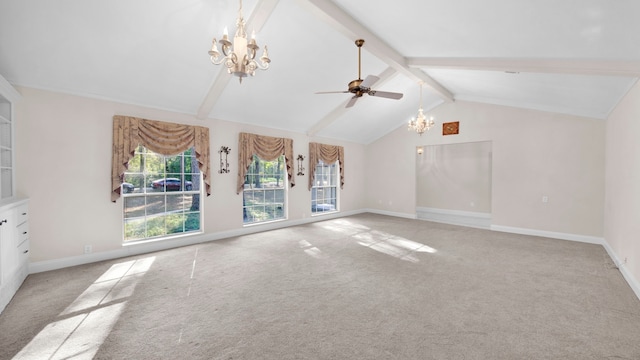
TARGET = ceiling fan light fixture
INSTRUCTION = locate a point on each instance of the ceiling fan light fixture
(420, 123)
(239, 55)
(359, 87)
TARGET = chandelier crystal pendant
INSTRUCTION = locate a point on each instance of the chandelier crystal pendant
(420, 123)
(239, 56)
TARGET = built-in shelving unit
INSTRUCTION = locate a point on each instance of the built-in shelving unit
(8, 96)
(14, 214)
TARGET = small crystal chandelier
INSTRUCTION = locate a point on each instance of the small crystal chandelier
(239, 56)
(420, 123)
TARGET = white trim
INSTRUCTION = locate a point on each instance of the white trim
(549, 234)
(628, 68)
(628, 276)
(391, 213)
(532, 106)
(151, 246)
(9, 91)
(478, 220)
(622, 96)
(620, 265)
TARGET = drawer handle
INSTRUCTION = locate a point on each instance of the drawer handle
(24, 213)
(4, 221)
(26, 251)
(24, 233)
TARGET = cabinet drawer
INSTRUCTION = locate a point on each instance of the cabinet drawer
(23, 252)
(22, 213)
(22, 233)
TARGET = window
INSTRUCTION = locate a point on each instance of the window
(324, 191)
(264, 193)
(161, 195)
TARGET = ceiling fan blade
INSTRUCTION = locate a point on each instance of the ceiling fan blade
(386, 94)
(351, 102)
(332, 92)
(369, 81)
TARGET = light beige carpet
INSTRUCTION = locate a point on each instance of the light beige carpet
(360, 287)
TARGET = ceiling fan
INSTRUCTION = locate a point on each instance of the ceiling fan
(359, 87)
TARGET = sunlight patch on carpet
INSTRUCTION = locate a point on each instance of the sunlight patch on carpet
(342, 225)
(311, 250)
(392, 245)
(85, 323)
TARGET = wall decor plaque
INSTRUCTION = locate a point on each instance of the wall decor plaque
(450, 128)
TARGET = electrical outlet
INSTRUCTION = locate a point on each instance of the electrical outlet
(87, 249)
(545, 199)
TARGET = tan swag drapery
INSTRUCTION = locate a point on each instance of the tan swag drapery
(267, 148)
(160, 137)
(328, 154)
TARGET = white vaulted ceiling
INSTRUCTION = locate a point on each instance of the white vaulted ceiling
(568, 56)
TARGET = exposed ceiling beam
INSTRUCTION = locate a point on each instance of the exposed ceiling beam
(340, 110)
(559, 66)
(216, 89)
(256, 21)
(346, 24)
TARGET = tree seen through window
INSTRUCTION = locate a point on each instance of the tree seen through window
(264, 194)
(161, 195)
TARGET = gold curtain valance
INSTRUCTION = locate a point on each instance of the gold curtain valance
(160, 137)
(329, 154)
(267, 148)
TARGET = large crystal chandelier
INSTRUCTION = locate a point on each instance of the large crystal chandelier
(420, 123)
(239, 56)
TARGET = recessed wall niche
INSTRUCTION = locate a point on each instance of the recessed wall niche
(454, 179)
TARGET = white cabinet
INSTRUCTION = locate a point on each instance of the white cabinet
(7, 258)
(14, 214)
(14, 248)
(8, 96)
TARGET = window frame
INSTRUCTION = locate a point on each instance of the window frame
(333, 184)
(249, 187)
(167, 208)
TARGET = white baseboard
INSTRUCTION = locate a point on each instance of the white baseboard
(391, 213)
(631, 280)
(438, 215)
(178, 241)
(455, 217)
(549, 234)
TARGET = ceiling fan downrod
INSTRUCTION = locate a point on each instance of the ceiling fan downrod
(359, 44)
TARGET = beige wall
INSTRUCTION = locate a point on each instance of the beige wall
(455, 177)
(63, 145)
(535, 154)
(63, 150)
(622, 206)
